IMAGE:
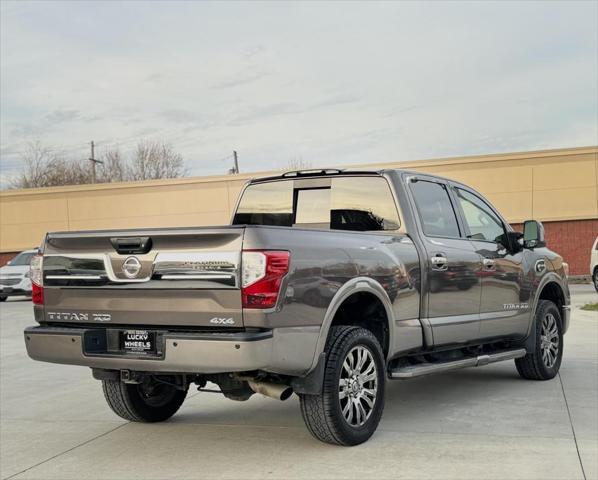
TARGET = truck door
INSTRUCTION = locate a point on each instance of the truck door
(504, 309)
(453, 285)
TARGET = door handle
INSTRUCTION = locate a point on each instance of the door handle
(489, 263)
(439, 262)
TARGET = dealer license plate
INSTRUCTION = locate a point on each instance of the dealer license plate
(140, 342)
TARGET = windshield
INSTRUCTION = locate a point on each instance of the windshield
(22, 259)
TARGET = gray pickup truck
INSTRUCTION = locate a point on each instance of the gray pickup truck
(327, 284)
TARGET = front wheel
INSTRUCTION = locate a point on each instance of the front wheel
(545, 361)
(595, 278)
(3, 299)
(348, 410)
(149, 401)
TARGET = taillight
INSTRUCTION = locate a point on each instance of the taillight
(262, 274)
(37, 283)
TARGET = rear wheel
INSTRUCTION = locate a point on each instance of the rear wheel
(149, 401)
(595, 278)
(3, 299)
(545, 361)
(348, 410)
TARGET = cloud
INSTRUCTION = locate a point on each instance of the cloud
(242, 78)
(179, 115)
(333, 83)
(63, 115)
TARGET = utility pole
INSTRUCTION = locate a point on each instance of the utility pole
(93, 161)
(235, 162)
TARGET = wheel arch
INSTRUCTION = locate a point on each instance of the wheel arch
(551, 288)
(357, 286)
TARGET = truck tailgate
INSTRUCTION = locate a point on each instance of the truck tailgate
(183, 277)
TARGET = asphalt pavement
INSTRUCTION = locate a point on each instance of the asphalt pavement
(475, 423)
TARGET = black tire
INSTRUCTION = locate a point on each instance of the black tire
(146, 402)
(323, 414)
(3, 299)
(537, 366)
(595, 278)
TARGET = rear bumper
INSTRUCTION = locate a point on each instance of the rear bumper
(272, 351)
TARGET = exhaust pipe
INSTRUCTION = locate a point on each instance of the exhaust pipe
(272, 390)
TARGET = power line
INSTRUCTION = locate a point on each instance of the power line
(77, 148)
(81, 145)
(223, 158)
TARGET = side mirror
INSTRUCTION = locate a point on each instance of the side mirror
(533, 234)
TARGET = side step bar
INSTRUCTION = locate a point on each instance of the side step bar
(412, 371)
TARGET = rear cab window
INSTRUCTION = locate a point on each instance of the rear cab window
(355, 203)
(266, 204)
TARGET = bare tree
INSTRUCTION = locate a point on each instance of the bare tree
(46, 168)
(35, 157)
(297, 163)
(113, 168)
(154, 160)
(67, 171)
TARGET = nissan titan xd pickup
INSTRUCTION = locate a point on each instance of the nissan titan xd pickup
(327, 284)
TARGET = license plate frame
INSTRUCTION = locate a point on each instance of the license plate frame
(138, 342)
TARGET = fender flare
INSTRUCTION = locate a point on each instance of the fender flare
(530, 343)
(353, 286)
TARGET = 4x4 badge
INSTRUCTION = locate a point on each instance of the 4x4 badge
(222, 321)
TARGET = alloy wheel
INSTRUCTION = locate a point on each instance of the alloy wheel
(358, 386)
(549, 340)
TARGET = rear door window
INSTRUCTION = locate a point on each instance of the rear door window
(435, 210)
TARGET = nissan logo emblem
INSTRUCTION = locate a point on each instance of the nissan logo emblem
(131, 267)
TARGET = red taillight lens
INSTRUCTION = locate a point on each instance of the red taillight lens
(37, 294)
(263, 271)
(36, 275)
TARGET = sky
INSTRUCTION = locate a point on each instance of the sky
(282, 83)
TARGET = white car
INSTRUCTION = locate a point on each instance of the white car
(594, 264)
(14, 276)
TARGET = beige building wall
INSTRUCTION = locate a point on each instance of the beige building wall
(547, 185)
